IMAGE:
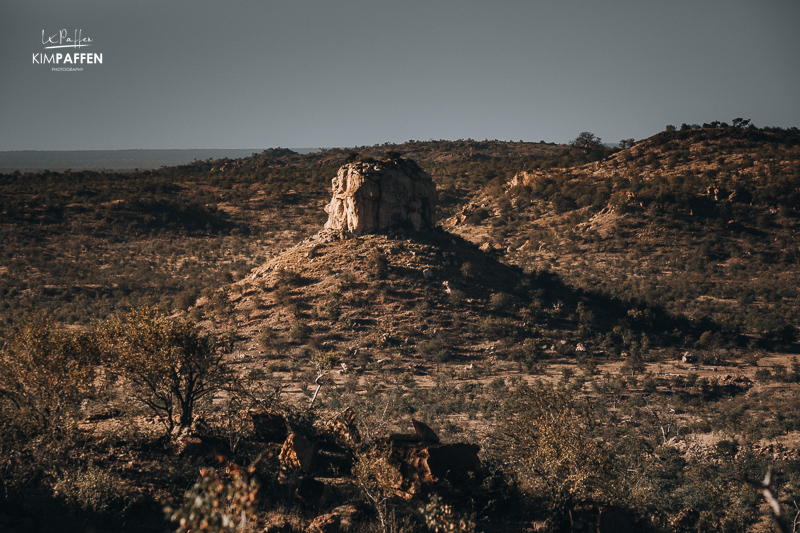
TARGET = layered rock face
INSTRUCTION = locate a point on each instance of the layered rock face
(369, 197)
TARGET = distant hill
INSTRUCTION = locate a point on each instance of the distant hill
(59, 160)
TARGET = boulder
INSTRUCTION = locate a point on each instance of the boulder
(412, 463)
(471, 213)
(424, 432)
(369, 197)
(298, 454)
(311, 492)
(343, 429)
(278, 525)
(351, 515)
(326, 523)
(269, 426)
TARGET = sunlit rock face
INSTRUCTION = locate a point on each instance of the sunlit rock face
(374, 196)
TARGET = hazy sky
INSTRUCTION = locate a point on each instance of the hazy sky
(294, 73)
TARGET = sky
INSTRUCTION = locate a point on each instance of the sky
(300, 73)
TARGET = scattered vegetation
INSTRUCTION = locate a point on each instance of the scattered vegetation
(622, 348)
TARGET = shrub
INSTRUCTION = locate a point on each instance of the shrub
(282, 295)
(266, 337)
(547, 442)
(457, 297)
(376, 475)
(649, 384)
(377, 264)
(300, 330)
(169, 363)
(500, 301)
(332, 311)
(435, 349)
(46, 371)
(218, 503)
(763, 374)
(468, 270)
(441, 518)
(289, 277)
(498, 328)
(91, 489)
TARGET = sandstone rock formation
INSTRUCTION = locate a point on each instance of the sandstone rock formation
(416, 467)
(472, 213)
(369, 197)
(418, 462)
(298, 454)
(343, 429)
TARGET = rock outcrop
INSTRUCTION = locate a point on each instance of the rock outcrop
(269, 426)
(418, 462)
(369, 197)
(298, 454)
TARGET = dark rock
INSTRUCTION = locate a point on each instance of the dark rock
(269, 426)
(352, 515)
(424, 432)
(311, 492)
(415, 467)
(298, 454)
(326, 523)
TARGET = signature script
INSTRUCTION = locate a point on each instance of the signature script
(62, 39)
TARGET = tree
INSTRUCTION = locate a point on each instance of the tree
(741, 123)
(169, 363)
(587, 141)
(46, 371)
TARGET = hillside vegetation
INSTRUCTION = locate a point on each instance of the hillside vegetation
(613, 331)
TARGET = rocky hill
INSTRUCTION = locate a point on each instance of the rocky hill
(679, 220)
(380, 282)
(581, 341)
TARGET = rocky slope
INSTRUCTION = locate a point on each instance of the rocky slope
(677, 220)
